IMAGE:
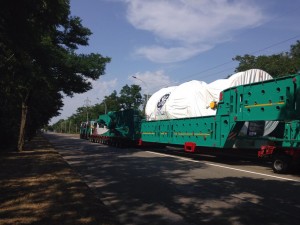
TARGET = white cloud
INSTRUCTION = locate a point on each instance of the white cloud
(190, 26)
(151, 82)
(167, 55)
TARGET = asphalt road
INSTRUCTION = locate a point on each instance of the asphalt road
(154, 187)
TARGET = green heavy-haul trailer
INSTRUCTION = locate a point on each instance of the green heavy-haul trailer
(271, 100)
(123, 128)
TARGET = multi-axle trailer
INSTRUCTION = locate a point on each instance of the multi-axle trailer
(275, 100)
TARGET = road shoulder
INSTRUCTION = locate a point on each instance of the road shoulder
(38, 187)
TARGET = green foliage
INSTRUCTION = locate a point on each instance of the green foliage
(276, 65)
(38, 62)
(295, 50)
(112, 102)
(131, 97)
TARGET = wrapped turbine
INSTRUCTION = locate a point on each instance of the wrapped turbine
(192, 99)
(155, 103)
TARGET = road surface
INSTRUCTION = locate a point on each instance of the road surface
(154, 187)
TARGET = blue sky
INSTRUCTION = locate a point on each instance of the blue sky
(168, 42)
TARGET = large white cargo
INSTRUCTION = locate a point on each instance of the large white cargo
(193, 98)
(189, 99)
(156, 102)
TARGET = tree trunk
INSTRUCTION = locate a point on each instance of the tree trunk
(22, 126)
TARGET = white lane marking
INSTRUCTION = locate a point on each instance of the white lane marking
(225, 167)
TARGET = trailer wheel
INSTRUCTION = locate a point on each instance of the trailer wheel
(281, 163)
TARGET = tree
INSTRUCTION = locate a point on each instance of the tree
(130, 97)
(295, 50)
(41, 109)
(276, 65)
(38, 40)
(112, 101)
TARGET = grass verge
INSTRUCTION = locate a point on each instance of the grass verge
(38, 187)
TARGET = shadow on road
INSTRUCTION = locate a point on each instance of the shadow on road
(149, 189)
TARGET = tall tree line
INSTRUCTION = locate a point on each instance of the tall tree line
(38, 62)
(276, 65)
(129, 97)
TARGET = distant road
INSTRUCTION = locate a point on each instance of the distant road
(153, 187)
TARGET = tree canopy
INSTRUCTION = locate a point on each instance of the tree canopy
(276, 65)
(130, 97)
(38, 62)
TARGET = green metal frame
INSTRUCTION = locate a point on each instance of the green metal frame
(124, 124)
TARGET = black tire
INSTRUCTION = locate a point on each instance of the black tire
(281, 163)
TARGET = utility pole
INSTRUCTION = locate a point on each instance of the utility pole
(105, 106)
(87, 103)
(146, 87)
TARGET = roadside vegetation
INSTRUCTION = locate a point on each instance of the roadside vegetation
(39, 63)
(37, 186)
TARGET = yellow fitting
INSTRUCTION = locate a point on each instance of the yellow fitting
(213, 105)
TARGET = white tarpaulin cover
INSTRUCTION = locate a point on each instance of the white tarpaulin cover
(189, 99)
(241, 78)
(192, 99)
(158, 99)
